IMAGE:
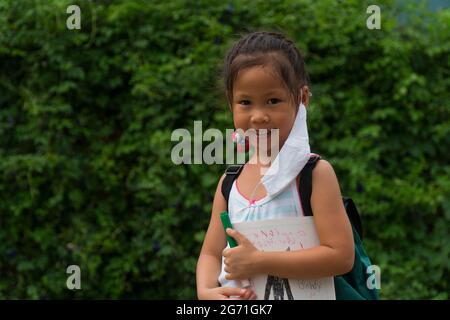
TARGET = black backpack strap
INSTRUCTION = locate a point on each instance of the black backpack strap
(231, 173)
(353, 215)
(305, 182)
(306, 191)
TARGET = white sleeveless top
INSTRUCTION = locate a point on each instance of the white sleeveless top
(285, 204)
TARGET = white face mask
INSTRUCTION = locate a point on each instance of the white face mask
(291, 159)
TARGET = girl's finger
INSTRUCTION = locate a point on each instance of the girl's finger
(246, 295)
(230, 291)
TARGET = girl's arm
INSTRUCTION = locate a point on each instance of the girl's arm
(334, 256)
(210, 260)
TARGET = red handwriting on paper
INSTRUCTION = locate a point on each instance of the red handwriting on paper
(270, 238)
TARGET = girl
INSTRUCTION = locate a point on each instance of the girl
(266, 84)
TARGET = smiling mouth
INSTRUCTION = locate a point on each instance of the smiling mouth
(263, 132)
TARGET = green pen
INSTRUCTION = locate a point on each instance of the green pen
(225, 217)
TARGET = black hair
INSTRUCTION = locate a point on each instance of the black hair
(265, 48)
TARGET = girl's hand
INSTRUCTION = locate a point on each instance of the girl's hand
(239, 261)
(225, 293)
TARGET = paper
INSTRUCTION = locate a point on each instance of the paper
(286, 234)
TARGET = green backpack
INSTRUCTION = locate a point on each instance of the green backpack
(352, 285)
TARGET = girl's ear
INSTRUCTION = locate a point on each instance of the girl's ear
(306, 93)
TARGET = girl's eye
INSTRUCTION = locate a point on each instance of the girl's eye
(244, 102)
(274, 101)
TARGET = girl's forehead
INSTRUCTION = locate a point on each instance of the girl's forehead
(258, 78)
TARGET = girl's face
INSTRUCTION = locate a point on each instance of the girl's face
(262, 101)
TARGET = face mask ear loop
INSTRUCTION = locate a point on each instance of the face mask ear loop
(301, 96)
(253, 193)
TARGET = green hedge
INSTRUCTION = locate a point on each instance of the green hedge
(86, 118)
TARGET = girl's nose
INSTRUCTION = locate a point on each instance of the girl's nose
(259, 116)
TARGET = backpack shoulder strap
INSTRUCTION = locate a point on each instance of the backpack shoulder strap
(231, 174)
(353, 215)
(305, 189)
(305, 181)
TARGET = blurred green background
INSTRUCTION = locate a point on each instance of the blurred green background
(86, 117)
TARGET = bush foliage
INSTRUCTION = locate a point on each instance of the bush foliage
(86, 117)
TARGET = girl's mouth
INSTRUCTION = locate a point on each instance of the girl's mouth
(263, 133)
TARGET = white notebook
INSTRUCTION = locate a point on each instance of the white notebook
(282, 235)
